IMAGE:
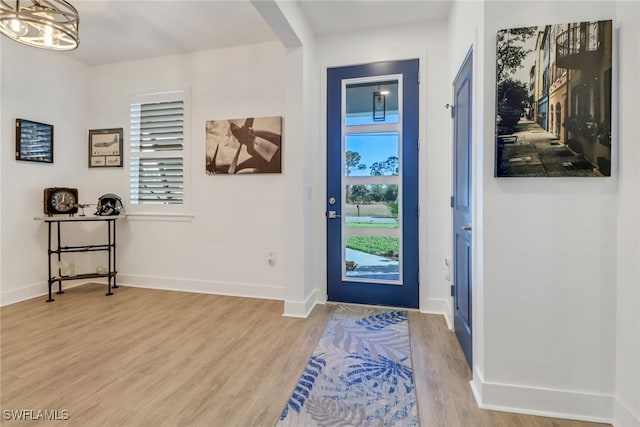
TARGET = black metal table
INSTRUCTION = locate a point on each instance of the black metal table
(109, 247)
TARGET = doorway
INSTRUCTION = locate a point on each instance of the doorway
(372, 184)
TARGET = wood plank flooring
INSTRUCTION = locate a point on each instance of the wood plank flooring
(157, 358)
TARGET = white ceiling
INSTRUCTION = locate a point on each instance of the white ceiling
(329, 17)
(123, 30)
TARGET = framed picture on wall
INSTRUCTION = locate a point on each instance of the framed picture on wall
(34, 141)
(105, 148)
(247, 145)
(553, 100)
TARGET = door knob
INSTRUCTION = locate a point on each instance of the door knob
(466, 227)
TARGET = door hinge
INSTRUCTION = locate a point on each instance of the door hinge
(418, 274)
(418, 143)
(453, 109)
(453, 293)
(418, 77)
(453, 204)
(418, 209)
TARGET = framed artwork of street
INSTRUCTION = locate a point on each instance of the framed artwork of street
(553, 100)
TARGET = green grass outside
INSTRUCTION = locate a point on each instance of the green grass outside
(370, 225)
(382, 246)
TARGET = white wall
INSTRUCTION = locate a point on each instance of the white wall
(550, 273)
(428, 44)
(46, 87)
(627, 408)
(303, 290)
(237, 220)
(466, 26)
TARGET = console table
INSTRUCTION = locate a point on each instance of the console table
(109, 247)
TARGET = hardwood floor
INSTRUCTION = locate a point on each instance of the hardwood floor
(156, 358)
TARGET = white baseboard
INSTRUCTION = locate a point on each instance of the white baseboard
(623, 416)
(34, 291)
(302, 309)
(202, 286)
(438, 306)
(545, 402)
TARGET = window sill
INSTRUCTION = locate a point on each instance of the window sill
(157, 216)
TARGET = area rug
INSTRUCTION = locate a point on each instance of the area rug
(359, 374)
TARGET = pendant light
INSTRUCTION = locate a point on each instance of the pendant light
(46, 24)
(380, 105)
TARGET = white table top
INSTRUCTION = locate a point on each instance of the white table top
(66, 218)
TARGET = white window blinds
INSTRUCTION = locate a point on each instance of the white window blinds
(157, 152)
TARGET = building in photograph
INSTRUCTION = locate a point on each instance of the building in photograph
(584, 50)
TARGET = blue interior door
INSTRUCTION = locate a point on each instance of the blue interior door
(372, 184)
(461, 203)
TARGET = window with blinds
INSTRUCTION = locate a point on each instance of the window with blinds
(158, 150)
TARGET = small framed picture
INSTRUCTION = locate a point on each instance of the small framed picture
(34, 141)
(105, 148)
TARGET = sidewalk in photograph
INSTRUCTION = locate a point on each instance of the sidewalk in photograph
(532, 151)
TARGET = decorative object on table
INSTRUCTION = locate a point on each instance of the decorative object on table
(108, 205)
(251, 145)
(82, 206)
(65, 269)
(34, 141)
(553, 100)
(105, 148)
(359, 374)
(60, 200)
(46, 24)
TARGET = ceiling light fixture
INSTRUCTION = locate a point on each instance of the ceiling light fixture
(47, 24)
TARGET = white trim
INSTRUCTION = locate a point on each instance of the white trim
(35, 290)
(438, 306)
(542, 401)
(159, 216)
(302, 309)
(345, 180)
(623, 416)
(245, 290)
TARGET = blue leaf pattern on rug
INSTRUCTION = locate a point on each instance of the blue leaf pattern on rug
(383, 369)
(383, 320)
(305, 385)
(366, 377)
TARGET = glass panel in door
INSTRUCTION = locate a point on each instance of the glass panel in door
(372, 185)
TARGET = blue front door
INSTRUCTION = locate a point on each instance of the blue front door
(372, 184)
